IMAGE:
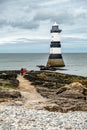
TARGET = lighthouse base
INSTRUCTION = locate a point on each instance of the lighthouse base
(55, 63)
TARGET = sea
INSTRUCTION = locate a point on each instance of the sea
(75, 63)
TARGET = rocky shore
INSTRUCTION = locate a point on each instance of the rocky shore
(42, 100)
(66, 92)
(63, 92)
(9, 85)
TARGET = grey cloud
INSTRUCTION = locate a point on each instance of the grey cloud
(20, 24)
(62, 17)
(25, 25)
(68, 12)
(3, 1)
(18, 13)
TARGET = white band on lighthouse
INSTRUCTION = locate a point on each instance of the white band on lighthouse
(55, 37)
(55, 50)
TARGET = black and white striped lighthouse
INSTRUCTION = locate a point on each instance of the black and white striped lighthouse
(55, 58)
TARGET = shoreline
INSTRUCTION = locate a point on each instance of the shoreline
(63, 92)
(18, 72)
(65, 107)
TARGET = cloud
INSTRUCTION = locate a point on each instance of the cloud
(33, 18)
(28, 14)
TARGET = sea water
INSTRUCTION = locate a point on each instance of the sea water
(75, 63)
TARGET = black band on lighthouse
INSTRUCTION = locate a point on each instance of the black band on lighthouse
(55, 44)
(55, 56)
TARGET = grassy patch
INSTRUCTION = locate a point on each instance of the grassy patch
(42, 76)
(4, 86)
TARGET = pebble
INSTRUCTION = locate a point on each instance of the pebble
(19, 118)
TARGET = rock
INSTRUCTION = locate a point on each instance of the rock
(72, 94)
(8, 75)
(9, 93)
(42, 67)
(60, 90)
(85, 92)
(18, 103)
(74, 90)
(68, 92)
(76, 86)
(9, 79)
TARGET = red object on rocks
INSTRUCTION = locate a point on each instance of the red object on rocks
(23, 71)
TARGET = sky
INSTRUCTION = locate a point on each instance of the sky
(25, 25)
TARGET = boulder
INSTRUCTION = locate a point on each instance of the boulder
(72, 94)
(74, 90)
(76, 86)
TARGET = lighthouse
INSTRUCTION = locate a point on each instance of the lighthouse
(55, 57)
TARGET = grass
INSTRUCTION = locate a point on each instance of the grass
(42, 75)
(6, 86)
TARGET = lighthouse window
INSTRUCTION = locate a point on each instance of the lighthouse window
(55, 28)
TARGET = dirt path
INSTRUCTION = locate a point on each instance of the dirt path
(32, 98)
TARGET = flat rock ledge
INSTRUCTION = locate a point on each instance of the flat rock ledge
(9, 93)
